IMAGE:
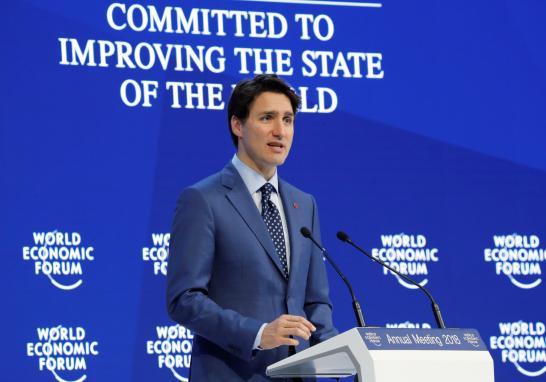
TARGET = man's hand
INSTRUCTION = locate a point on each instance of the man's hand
(278, 332)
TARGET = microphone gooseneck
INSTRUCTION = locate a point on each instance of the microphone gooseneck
(356, 305)
(435, 308)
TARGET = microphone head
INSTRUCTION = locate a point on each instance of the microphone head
(305, 232)
(342, 236)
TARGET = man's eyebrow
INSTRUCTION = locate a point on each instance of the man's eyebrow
(277, 112)
(274, 112)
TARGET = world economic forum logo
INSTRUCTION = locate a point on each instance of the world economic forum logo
(172, 348)
(60, 257)
(373, 338)
(517, 257)
(158, 253)
(63, 351)
(408, 254)
(523, 344)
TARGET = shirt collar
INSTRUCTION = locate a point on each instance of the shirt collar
(253, 180)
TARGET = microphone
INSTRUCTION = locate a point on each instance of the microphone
(356, 306)
(435, 308)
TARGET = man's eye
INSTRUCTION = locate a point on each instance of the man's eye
(287, 120)
(266, 118)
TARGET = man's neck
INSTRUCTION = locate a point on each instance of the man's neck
(267, 173)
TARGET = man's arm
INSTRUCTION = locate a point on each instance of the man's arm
(318, 307)
(191, 258)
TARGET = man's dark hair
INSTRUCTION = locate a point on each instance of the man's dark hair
(246, 92)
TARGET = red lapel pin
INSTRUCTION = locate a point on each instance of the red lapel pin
(295, 205)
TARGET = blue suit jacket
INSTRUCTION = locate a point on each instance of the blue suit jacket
(225, 279)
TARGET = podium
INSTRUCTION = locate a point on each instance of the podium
(394, 354)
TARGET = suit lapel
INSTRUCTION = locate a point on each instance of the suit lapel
(241, 200)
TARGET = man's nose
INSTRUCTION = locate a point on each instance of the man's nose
(279, 129)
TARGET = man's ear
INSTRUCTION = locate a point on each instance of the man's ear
(236, 126)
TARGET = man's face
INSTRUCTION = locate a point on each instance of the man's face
(265, 137)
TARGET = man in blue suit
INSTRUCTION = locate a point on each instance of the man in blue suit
(240, 275)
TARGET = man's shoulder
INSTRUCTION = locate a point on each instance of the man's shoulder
(211, 182)
(290, 189)
(215, 183)
(210, 185)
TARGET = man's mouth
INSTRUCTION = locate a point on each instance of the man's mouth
(276, 147)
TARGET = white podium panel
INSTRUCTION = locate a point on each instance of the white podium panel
(387, 355)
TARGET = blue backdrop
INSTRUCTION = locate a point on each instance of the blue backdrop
(429, 152)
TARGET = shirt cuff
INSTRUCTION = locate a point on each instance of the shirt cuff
(258, 339)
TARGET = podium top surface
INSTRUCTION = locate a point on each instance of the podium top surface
(421, 339)
(387, 354)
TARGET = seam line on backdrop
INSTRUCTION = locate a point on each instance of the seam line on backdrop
(321, 2)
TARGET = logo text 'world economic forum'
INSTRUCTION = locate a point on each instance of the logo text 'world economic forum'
(408, 254)
(517, 257)
(523, 344)
(60, 257)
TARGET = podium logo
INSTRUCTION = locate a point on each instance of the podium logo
(517, 257)
(373, 338)
(158, 252)
(172, 347)
(408, 254)
(59, 256)
(522, 344)
(472, 339)
(63, 351)
(409, 325)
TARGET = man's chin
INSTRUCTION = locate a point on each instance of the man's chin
(279, 161)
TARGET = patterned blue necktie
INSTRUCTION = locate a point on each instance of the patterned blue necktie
(272, 220)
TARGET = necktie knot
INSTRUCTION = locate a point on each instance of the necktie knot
(267, 189)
